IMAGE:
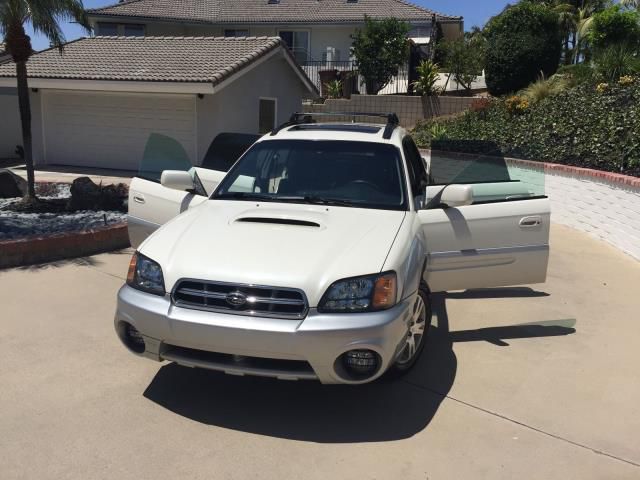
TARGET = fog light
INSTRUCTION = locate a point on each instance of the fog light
(133, 338)
(361, 363)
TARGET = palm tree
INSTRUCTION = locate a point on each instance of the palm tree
(44, 16)
(631, 4)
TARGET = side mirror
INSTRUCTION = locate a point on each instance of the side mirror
(457, 195)
(177, 180)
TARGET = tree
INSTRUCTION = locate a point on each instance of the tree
(380, 48)
(428, 75)
(44, 16)
(463, 58)
(524, 40)
(615, 26)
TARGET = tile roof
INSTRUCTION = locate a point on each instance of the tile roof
(261, 11)
(160, 59)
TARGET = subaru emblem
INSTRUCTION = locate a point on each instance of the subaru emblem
(236, 299)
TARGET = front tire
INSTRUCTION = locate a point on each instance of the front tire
(416, 336)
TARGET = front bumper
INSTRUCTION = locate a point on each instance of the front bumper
(291, 349)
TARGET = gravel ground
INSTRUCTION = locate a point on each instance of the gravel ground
(14, 225)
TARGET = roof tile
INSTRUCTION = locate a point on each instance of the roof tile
(166, 59)
(260, 11)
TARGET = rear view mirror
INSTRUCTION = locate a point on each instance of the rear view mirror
(177, 180)
(457, 195)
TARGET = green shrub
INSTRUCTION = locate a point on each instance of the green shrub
(614, 26)
(576, 74)
(522, 41)
(428, 75)
(614, 62)
(334, 88)
(579, 126)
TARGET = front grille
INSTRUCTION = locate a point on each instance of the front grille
(240, 299)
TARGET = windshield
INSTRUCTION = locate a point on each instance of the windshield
(358, 174)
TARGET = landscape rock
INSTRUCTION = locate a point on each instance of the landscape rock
(87, 195)
(11, 185)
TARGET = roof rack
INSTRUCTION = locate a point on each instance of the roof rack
(299, 118)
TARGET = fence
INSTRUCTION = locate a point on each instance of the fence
(323, 72)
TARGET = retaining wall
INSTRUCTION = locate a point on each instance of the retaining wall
(409, 109)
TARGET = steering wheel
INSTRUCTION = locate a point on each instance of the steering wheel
(367, 183)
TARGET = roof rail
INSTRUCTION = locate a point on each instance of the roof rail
(299, 118)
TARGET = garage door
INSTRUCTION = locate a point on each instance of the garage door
(110, 130)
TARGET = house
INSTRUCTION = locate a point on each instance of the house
(97, 103)
(318, 32)
(4, 55)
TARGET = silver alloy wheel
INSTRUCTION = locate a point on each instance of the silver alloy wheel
(416, 332)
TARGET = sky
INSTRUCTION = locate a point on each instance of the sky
(475, 12)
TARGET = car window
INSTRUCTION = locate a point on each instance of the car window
(161, 153)
(226, 148)
(492, 176)
(362, 174)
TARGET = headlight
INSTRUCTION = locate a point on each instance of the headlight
(360, 294)
(145, 274)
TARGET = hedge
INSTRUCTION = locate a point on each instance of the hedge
(593, 126)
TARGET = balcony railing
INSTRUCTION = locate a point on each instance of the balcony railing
(321, 72)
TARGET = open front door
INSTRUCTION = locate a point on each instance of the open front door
(501, 239)
(151, 205)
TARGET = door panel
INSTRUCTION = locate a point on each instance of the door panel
(486, 245)
(151, 205)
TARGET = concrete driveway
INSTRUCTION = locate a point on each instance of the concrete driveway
(538, 382)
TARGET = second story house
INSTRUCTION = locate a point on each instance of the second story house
(318, 32)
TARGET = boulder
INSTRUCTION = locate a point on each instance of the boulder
(11, 185)
(86, 195)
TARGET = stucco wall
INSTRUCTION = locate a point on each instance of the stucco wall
(235, 108)
(10, 131)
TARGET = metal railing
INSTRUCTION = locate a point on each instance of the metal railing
(322, 72)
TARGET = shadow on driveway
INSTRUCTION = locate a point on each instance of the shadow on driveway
(382, 411)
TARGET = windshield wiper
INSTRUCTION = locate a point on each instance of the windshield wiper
(245, 196)
(285, 198)
(327, 201)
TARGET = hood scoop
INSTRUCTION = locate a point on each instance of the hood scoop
(279, 221)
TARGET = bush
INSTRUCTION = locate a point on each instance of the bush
(522, 41)
(588, 126)
(614, 26)
(614, 62)
(545, 87)
(428, 75)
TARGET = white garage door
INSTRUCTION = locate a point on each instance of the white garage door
(110, 130)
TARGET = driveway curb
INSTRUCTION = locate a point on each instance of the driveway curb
(27, 251)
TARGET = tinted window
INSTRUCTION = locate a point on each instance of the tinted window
(226, 149)
(107, 29)
(131, 30)
(362, 174)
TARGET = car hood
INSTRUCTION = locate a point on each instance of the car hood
(281, 245)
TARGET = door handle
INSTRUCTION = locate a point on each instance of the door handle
(528, 222)
(138, 199)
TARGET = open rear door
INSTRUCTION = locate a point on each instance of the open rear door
(501, 239)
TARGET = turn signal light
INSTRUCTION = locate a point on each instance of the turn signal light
(384, 294)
